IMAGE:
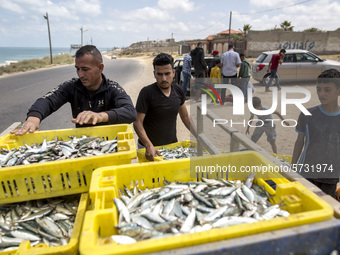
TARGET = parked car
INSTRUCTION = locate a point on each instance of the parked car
(298, 65)
(178, 66)
(113, 57)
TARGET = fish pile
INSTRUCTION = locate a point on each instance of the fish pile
(57, 150)
(48, 221)
(178, 153)
(190, 207)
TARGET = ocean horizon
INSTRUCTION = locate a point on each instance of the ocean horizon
(26, 53)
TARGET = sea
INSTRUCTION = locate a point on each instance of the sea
(25, 53)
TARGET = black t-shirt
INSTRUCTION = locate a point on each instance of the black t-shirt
(160, 113)
(320, 159)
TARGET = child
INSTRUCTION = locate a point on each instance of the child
(265, 124)
(319, 136)
(215, 74)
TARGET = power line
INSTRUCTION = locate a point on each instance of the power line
(275, 9)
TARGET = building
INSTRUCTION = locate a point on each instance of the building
(220, 41)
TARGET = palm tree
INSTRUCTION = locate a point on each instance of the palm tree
(246, 29)
(287, 25)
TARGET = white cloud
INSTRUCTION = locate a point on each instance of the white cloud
(176, 5)
(11, 6)
(272, 4)
(84, 7)
(145, 14)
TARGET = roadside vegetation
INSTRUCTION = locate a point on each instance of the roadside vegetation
(32, 64)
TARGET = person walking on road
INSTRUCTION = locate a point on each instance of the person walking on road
(273, 66)
(265, 124)
(230, 62)
(157, 108)
(94, 99)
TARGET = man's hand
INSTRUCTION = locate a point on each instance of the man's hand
(30, 125)
(247, 131)
(89, 117)
(150, 152)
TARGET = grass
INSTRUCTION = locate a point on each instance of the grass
(32, 64)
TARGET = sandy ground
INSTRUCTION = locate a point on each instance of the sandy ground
(285, 135)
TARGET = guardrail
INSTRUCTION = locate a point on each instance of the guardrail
(237, 138)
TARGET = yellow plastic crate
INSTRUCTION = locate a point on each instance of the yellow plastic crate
(185, 144)
(68, 249)
(305, 206)
(61, 177)
(283, 157)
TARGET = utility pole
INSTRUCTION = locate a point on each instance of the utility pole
(81, 36)
(229, 28)
(82, 32)
(49, 36)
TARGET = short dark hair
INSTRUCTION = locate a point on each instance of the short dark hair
(230, 46)
(329, 76)
(217, 61)
(199, 44)
(92, 50)
(163, 59)
(256, 101)
(282, 51)
(242, 55)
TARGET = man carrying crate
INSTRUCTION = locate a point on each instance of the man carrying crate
(94, 99)
(157, 108)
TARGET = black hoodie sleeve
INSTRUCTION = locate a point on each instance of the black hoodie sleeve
(51, 102)
(123, 110)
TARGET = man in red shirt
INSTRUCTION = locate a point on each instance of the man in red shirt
(273, 65)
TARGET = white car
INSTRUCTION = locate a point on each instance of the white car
(298, 65)
(113, 57)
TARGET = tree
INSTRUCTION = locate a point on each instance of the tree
(312, 29)
(286, 25)
(338, 29)
(246, 29)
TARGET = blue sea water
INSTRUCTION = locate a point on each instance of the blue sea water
(24, 53)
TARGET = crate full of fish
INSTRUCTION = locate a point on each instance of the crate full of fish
(157, 206)
(179, 150)
(44, 226)
(60, 162)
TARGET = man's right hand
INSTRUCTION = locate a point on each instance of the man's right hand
(30, 125)
(150, 152)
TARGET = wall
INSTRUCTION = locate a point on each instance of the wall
(321, 43)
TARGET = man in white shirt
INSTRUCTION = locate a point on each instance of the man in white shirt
(230, 61)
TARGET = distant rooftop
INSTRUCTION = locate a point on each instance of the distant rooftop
(223, 33)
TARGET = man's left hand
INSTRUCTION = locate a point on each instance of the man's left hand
(89, 117)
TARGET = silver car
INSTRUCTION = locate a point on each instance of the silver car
(298, 65)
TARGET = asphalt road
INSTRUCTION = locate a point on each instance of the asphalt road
(19, 91)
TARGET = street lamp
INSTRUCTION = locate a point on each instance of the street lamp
(82, 31)
(49, 36)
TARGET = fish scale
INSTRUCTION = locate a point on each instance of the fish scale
(56, 150)
(212, 204)
(19, 222)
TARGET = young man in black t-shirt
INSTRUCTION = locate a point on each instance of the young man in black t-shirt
(157, 107)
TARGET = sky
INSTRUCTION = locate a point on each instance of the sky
(111, 23)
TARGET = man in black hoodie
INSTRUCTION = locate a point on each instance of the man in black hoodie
(94, 99)
(200, 66)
